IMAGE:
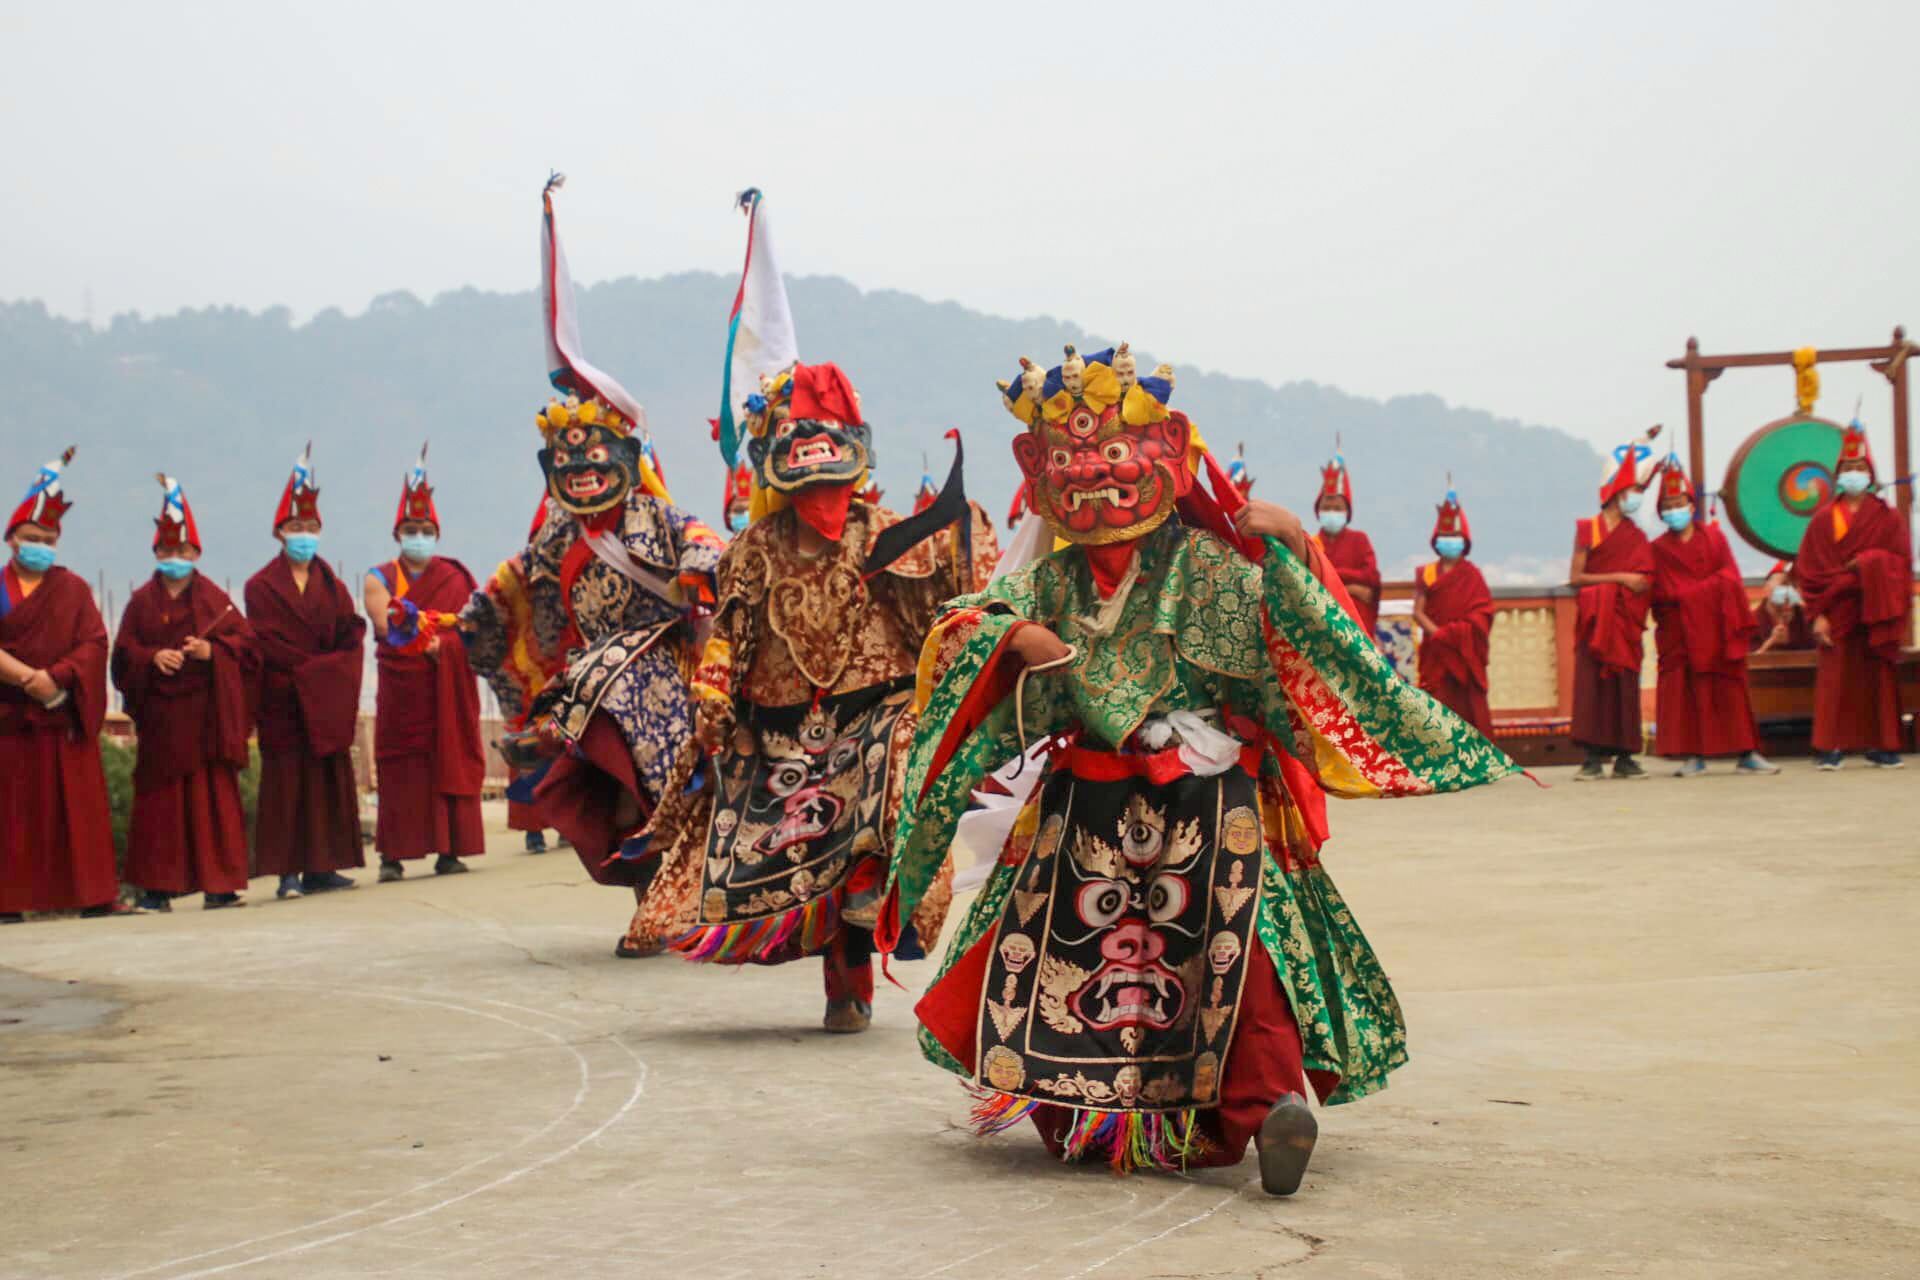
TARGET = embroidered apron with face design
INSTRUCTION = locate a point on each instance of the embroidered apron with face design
(1115, 976)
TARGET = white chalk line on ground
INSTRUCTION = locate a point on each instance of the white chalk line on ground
(1111, 1258)
(587, 1076)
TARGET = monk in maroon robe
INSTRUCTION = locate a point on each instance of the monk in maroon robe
(307, 819)
(1347, 549)
(1454, 610)
(427, 748)
(56, 833)
(183, 660)
(1855, 568)
(1702, 631)
(1779, 621)
(1612, 569)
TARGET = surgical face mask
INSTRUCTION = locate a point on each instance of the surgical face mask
(418, 546)
(1853, 483)
(36, 557)
(737, 521)
(1630, 503)
(1451, 546)
(1332, 521)
(1784, 595)
(1677, 518)
(302, 547)
(175, 569)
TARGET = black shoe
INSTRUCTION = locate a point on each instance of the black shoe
(536, 842)
(1829, 761)
(391, 871)
(324, 881)
(1886, 760)
(448, 865)
(1591, 771)
(152, 901)
(12, 917)
(1628, 767)
(220, 901)
(1285, 1143)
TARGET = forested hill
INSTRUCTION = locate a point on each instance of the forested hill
(224, 398)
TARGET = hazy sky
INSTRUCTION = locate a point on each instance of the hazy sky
(1522, 207)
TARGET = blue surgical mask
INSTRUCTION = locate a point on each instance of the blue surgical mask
(302, 547)
(1451, 546)
(175, 569)
(1677, 518)
(1785, 595)
(1853, 483)
(1332, 521)
(737, 521)
(1630, 503)
(36, 557)
(418, 546)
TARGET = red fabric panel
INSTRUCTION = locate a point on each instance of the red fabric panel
(189, 834)
(950, 1009)
(200, 714)
(57, 629)
(1611, 621)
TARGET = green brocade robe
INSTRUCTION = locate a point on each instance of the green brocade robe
(1202, 627)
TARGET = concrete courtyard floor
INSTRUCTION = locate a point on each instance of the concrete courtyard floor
(1659, 1029)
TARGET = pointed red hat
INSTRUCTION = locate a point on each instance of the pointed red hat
(928, 492)
(1630, 466)
(1673, 481)
(739, 486)
(1853, 447)
(1242, 475)
(871, 494)
(45, 502)
(1335, 482)
(174, 528)
(416, 496)
(1451, 521)
(300, 500)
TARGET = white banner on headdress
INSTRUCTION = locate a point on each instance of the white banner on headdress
(760, 337)
(566, 367)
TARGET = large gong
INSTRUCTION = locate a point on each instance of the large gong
(1778, 478)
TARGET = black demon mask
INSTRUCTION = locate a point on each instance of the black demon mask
(590, 467)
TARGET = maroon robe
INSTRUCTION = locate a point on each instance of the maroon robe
(188, 832)
(426, 729)
(1856, 690)
(56, 830)
(1351, 552)
(1609, 634)
(308, 815)
(1702, 631)
(1453, 656)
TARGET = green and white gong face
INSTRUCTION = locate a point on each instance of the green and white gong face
(1778, 478)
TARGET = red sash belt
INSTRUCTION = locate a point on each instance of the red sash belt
(1157, 767)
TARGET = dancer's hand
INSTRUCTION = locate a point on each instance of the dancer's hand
(1259, 519)
(168, 661)
(1038, 646)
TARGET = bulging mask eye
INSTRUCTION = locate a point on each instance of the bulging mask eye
(561, 457)
(1061, 458)
(1117, 450)
(1167, 897)
(1101, 902)
(598, 454)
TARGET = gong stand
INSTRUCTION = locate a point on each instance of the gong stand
(1889, 361)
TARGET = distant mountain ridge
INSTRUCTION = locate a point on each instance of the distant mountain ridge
(223, 398)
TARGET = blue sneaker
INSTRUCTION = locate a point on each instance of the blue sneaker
(324, 882)
(1693, 768)
(289, 888)
(1886, 760)
(1755, 763)
(1829, 761)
